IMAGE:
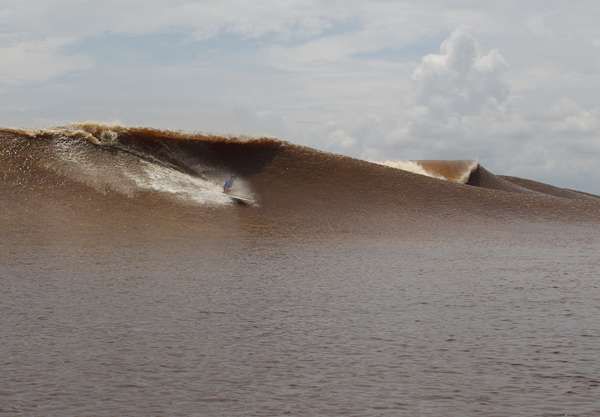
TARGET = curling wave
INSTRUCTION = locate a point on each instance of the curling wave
(88, 168)
(124, 160)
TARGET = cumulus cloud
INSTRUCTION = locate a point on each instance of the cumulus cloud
(458, 98)
(461, 78)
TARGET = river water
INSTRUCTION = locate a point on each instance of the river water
(500, 326)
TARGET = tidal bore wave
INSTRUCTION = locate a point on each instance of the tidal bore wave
(148, 172)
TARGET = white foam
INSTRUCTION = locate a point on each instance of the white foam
(178, 184)
(416, 168)
(410, 166)
(101, 171)
(127, 174)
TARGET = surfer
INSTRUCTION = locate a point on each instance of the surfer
(228, 184)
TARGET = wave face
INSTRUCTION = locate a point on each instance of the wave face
(82, 170)
(123, 160)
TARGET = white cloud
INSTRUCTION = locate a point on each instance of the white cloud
(461, 79)
(342, 139)
(37, 61)
(206, 18)
(569, 117)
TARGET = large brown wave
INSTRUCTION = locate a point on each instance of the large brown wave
(140, 179)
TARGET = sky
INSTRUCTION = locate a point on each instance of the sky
(512, 84)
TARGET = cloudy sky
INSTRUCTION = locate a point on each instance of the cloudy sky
(513, 84)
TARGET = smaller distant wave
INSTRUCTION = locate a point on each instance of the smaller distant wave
(453, 171)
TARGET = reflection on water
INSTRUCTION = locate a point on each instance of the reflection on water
(330, 328)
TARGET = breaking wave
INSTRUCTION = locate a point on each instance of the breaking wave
(296, 187)
(453, 171)
(102, 157)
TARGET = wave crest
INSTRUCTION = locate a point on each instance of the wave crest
(454, 171)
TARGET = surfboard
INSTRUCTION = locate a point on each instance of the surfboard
(240, 199)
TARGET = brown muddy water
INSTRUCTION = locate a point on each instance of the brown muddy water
(331, 327)
(133, 286)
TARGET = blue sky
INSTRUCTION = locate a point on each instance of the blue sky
(512, 84)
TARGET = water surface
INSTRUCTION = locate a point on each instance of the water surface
(330, 327)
